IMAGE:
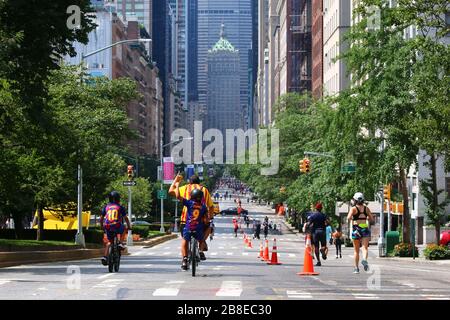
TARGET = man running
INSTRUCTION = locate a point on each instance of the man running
(361, 217)
(318, 222)
(235, 227)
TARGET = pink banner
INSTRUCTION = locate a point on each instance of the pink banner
(169, 170)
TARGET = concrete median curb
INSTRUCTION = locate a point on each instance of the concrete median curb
(9, 259)
(420, 260)
(158, 240)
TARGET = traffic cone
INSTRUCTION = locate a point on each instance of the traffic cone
(266, 251)
(308, 268)
(274, 254)
(250, 243)
(261, 251)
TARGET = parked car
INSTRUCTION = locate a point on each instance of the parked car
(233, 211)
(141, 223)
(445, 238)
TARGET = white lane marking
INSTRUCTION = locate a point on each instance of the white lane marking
(298, 294)
(148, 265)
(229, 253)
(214, 253)
(166, 253)
(137, 253)
(4, 282)
(233, 247)
(365, 296)
(230, 289)
(172, 289)
(291, 255)
(150, 253)
(43, 289)
(221, 247)
(105, 276)
(108, 284)
(245, 253)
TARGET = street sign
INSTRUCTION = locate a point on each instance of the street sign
(129, 183)
(162, 194)
(349, 167)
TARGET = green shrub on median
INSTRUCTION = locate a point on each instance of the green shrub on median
(405, 250)
(435, 252)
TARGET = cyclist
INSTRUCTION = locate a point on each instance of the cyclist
(111, 221)
(319, 221)
(185, 192)
(360, 215)
(196, 217)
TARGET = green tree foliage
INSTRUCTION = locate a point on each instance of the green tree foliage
(141, 195)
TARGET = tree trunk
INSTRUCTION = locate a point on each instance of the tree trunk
(18, 226)
(40, 229)
(434, 205)
(406, 215)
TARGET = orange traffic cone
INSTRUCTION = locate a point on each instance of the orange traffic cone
(308, 268)
(266, 251)
(261, 254)
(250, 243)
(274, 254)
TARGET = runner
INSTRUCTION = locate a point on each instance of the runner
(235, 227)
(360, 216)
(319, 221)
(337, 235)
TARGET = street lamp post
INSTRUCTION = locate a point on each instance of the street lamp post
(79, 237)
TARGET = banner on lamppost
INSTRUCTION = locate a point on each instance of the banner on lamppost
(169, 170)
(189, 170)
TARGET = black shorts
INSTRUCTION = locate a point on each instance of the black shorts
(319, 236)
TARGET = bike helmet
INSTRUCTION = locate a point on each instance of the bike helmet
(359, 197)
(114, 196)
(196, 195)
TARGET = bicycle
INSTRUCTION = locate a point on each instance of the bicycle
(114, 256)
(194, 255)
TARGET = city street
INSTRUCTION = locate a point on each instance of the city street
(231, 271)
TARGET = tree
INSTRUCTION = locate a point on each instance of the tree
(141, 195)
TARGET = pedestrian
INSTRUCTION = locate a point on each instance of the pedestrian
(329, 231)
(319, 221)
(266, 229)
(235, 226)
(258, 229)
(337, 238)
(360, 216)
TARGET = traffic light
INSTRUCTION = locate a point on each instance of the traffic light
(307, 165)
(387, 192)
(301, 165)
(130, 172)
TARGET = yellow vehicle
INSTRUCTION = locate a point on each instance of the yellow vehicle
(216, 208)
(58, 219)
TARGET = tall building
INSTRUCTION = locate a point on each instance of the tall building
(263, 38)
(317, 48)
(237, 16)
(130, 61)
(336, 23)
(291, 47)
(223, 99)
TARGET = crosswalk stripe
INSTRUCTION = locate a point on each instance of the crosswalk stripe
(298, 294)
(291, 255)
(230, 289)
(109, 283)
(214, 253)
(172, 289)
(229, 253)
(245, 253)
(4, 282)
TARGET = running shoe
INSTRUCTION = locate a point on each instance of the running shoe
(324, 255)
(105, 261)
(318, 264)
(122, 246)
(337, 257)
(202, 256)
(184, 264)
(356, 270)
(365, 264)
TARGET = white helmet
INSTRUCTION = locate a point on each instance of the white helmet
(359, 197)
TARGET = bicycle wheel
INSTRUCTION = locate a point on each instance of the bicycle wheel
(193, 256)
(111, 257)
(117, 258)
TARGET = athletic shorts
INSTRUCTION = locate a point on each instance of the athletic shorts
(319, 236)
(199, 233)
(360, 232)
(113, 231)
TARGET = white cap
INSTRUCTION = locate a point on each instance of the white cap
(359, 196)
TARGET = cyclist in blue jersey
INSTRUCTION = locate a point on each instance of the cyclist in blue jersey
(111, 221)
(196, 218)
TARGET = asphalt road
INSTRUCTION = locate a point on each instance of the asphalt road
(232, 271)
